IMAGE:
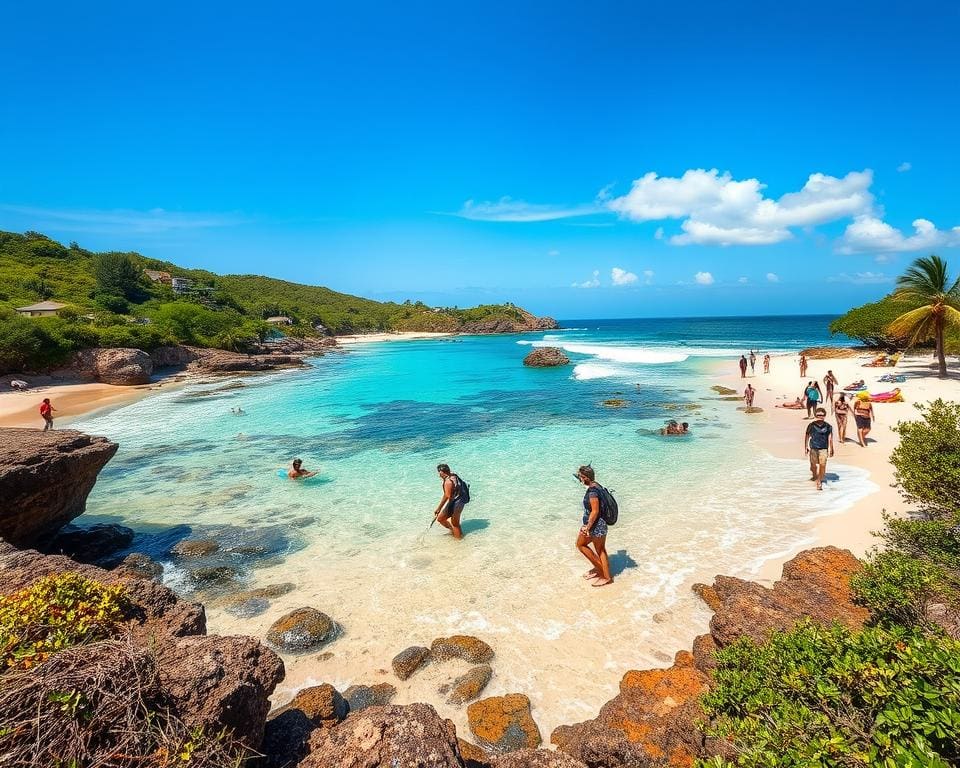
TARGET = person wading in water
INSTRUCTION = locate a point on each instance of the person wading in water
(593, 531)
(448, 510)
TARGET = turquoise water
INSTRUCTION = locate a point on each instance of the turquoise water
(376, 419)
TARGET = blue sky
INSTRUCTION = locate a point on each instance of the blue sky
(585, 160)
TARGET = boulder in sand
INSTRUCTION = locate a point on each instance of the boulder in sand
(466, 647)
(409, 660)
(503, 723)
(469, 686)
(360, 697)
(302, 631)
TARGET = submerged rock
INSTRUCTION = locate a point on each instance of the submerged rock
(721, 390)
(466, 647)
(140, 565)
(194, 548)
(91, 544)
(546, 357)
(751, 409)
(503, 723)
(302, 631)
(409, 661)
(616, 402)
(214, 576)
(45, 478)
(360, 697)
(467, 687)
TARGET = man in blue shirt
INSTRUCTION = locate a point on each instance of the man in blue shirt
(818, 445)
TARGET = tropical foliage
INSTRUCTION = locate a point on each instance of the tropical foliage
(870, 323)
(926, 286)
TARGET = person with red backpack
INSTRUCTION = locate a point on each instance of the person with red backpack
(599, 510)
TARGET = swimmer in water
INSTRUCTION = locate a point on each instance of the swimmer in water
(298, 471)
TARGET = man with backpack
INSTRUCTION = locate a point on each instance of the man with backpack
(599, 511)
(456, 493)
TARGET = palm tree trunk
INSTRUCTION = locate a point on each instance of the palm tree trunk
(941, 358)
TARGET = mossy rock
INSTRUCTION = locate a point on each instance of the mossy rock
(750, 409)
(302, 631)
(721, 390)
(615, 402)
(465, 647)
(503, 724)
(469, 686)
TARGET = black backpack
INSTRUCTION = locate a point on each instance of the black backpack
(463, 490)
(609, 510)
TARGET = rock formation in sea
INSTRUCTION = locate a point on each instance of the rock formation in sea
(546, 357)
(45, 478)
(527, 322)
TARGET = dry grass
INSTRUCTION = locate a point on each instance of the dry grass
(100, 706)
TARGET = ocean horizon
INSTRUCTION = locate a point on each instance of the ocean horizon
(357, 542)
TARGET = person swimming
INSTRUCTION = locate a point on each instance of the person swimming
(297, 471)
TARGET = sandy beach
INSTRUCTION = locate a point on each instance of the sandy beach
(21, 409)
(780, 431)
(367, 338)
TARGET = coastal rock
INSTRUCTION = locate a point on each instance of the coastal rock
(815, 585)
(194, 548)
(322, 704)
(708, 594)
(653, 718)
(221, 682)
(615, 402)
(360, 697)
(409, 661)
(121, 366)
(522, 323)
(88, 545)
(464, 647)
(503, 723)
(546, 357)
(535, 758)
(473, 756)
(222, 576)
(222, 361)
(386, 737)
(301, 631)
(253, 602)
(470, 685)
(139, 565)
(177, 356)
(45, 478)
(750, 409)
(721, 390)
(289, 727)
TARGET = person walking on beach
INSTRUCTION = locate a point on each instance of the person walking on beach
(818, 445)
(753, 363)
(863, 416)
(594, 530)
(46, 411)
(840, 409)
(830, 381)
(743, 366)
(803, 366)
(748, 395)
(451, 504)
(814, 397)
(766, 363)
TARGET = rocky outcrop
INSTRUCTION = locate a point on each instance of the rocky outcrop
(176, 356)
(503, 724)
(45, 478)
(301, 631)
(655, 715)
(121, 366)
(466, 647)
(222, 361)
(546, 357)
(409, 660)
(524, 322)
(535, 758)
(386, 737)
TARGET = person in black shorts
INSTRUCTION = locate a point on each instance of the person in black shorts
(448, 510)
(593, 531)
(818, 445)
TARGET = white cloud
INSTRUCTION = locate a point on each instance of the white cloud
(719, 210)
(648, 276)
(772, 277)
(861, 278)
(658, 235)
(553, 252)
(622, 277)
(904, 167)
(507, 209)
(743, 280)
(120, 220)
(703, 278)
(868, 233)
(593, 282)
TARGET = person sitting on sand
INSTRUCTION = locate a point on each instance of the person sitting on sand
(593, 531)
(46, 411)
(451, 504)
(796, 405)
(298, 471)
(748, 394)
(840, 409)
(859, 384)
(766, 363)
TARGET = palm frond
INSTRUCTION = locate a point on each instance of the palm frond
(926, 276)
(916, 325)
(951, 316)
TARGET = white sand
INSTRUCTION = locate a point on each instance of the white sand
(780, 431)
(366, 338)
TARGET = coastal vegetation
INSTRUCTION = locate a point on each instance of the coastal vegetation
(888, 695)
(125, 299)
(924, 308)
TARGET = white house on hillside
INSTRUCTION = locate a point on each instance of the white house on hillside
(43, 309)
(280, 320)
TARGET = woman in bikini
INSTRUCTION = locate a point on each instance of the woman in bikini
(863, 415)
(840, 409)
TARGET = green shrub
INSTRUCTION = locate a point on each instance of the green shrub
(827, 697)
(896, 588)
(927, 460)
(869, 323)
(56, 612)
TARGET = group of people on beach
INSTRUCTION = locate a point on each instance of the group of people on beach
(752, 362)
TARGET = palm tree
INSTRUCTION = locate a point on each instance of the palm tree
(924, 285)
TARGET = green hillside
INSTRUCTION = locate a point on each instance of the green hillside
(112, 302)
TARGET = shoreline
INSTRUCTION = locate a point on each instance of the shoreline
(369, 338)
(780, 434)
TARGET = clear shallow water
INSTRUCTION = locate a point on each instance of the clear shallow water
(378, 419)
